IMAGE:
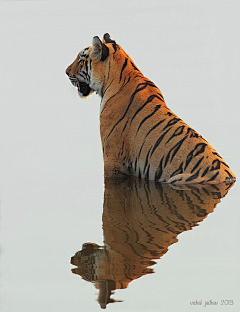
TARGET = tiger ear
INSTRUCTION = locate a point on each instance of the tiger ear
(99, 50)
(107, 39)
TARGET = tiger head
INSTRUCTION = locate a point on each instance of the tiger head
(87, 72)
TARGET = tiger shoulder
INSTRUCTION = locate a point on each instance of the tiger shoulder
(140, 135)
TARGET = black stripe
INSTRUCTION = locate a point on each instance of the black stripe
(224, 164)
(194, 134)
(215, 153)
(147, 173)
(135, 165)
(147, 117)
(136, 76)
(83, 75)
(123, 85)
(205, 171)
(140, 87)
(104, 91)
(167, 158)
(139, 173)
(175, 149)
(124, 65)
(150, 83)
(134, 66)
(105, 52)
(146, 161)
(230, 176)
(141, 149)
(215, 165)
(149, 100)
(199, 148)
(115, 46)
(213, 177)
(109, 70)
(206, 191)
(215, 187)
(177, 132)
(154, 127)
(176, 180)
(86, 65)
(161, 96)
(177, 146)
(171, 123)
(121, 150)
(178, 171)
(124, 127)
(159, 140)
(197, 164)
(159, 171)
(193, 177)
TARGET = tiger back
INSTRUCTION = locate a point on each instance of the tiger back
(140, 135)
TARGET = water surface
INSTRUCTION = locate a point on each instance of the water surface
(141, 220)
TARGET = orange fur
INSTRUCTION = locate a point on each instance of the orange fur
(141, 219)
(140, 135)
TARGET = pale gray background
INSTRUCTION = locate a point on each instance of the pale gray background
(51, 160)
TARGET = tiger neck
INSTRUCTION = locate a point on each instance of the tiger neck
(114, 86)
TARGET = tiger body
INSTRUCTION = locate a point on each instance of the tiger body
(140, 135)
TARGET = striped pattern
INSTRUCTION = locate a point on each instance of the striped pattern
(141, 219)
(140, 135)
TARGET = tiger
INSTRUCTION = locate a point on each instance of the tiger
(141, 219)
(140, 135)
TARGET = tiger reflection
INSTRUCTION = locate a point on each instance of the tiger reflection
(141, 219)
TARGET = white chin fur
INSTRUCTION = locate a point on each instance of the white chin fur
(95, 87)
